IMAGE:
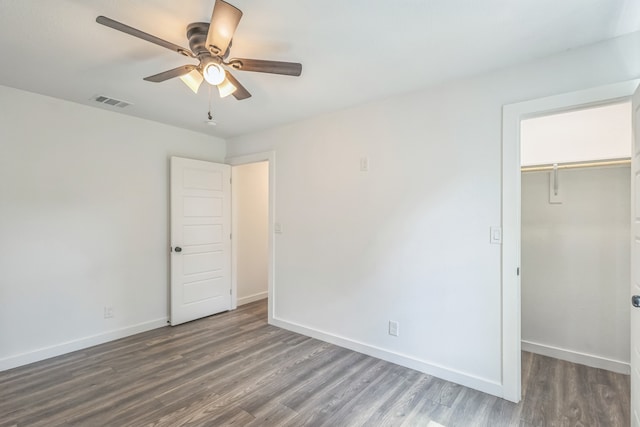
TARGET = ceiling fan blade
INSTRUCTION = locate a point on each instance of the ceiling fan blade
(142, 35)
(262, 66)
(240, 93)
(166, 75)
(224, 21)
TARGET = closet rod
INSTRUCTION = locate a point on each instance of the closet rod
(593, 164)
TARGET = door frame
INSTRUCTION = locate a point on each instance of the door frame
(270, 158)
(512, 114)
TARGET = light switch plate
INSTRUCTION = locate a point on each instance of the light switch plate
(495, 235)
(364, 164)
(277, 227)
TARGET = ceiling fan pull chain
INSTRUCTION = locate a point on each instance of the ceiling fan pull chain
(209, 114)
(210, 120)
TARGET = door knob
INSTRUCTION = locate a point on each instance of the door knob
(179, 249)
(635, 300)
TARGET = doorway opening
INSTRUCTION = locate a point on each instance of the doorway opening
(252, 213)
(513, 115)
(250, 194)
(576, 217)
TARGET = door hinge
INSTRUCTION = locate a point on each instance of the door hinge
(230, 236)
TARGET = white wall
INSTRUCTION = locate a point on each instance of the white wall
(251, 203)
(83, 220)
(575, 266)
(576, 136)
(409, 240)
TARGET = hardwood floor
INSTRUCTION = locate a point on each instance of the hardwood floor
(234, 369)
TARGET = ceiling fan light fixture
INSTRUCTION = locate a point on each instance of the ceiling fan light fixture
(193, 79)
(211, 52)
(213, 73)
(226, 88)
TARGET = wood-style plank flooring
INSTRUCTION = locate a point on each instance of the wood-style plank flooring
(234, 369)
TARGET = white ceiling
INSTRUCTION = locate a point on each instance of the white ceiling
(352, 51)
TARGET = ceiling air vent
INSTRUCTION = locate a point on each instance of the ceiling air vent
(111, 101)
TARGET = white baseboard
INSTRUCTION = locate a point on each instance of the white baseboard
(577, 357)
(78, 344)
(448, 374)
(252, 298)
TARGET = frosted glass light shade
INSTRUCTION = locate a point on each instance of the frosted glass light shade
(193, 80)
(226, 88)
(214, 74)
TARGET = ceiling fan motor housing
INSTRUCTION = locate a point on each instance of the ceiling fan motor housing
(197, 36)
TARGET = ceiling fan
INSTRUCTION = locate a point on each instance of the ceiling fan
(210, 44)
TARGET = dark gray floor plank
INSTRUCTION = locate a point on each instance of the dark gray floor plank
(363, 405)
(235, 369)
(395, 408)
(321, 407)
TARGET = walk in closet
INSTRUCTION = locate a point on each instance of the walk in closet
(575, 235)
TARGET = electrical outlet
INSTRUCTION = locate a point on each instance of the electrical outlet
(394, 328)
(108, 312)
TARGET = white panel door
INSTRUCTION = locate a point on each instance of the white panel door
(200, 239)
(635, 263)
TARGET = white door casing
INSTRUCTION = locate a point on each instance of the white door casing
(635, 260)
(200, 239)
(512, 114)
